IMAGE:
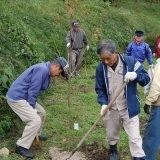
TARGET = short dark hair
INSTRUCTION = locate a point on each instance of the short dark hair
(106, 45)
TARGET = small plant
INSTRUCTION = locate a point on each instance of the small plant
(5, 125)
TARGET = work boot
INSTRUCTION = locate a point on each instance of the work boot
(24, 152)
(42, 137)
(138, 158)
(113, 154)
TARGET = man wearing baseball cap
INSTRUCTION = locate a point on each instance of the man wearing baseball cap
(139, 49)
(22, 98)
(75, 40)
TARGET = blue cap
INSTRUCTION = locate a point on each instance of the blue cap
(64, 64)
(139, 33)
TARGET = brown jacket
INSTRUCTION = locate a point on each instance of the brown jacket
(153, 97)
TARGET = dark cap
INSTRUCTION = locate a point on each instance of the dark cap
(139, 33)
(75, 24)
(64, 64)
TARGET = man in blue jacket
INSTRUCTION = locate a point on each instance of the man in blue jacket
(22, 98)
(110, 76)
(139, 49)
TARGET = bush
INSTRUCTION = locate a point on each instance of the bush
(5, 125)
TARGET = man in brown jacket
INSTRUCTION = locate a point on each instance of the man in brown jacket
(151, 140)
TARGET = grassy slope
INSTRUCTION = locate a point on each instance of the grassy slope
(47, 23)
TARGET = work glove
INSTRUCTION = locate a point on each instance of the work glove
(151, 66)
(158, 60)
(68, 45)
(147, 108)
(87, 47)
(154, 55)
(130, 76)
(102, 109)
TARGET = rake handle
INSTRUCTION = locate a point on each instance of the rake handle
(99, 118)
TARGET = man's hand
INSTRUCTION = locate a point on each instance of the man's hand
(102, 109)
(130, 76)
(151, 66)
(87, 47)
(147, 108)
(68, 45)
(154, 55)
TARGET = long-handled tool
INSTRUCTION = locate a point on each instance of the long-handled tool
(152, 72)
(99, 118)
(38, 141)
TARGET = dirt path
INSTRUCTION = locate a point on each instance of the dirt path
(57, 155)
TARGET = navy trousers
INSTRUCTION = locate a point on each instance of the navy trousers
(151, 139)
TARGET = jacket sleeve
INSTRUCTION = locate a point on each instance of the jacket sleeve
(68, 37)
(85, 38)
(148, 54)
(100, 87)
(128, 50)
(154, 92)
(142, 76)
(35, 86)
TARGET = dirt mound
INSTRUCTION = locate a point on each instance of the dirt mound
(93, 152)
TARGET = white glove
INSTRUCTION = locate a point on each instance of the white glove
(68, 44)
(35, 110)
(158, 60)
(103, 108)
(151, 66)
(154, 54)
(87, 47)
(130, 76)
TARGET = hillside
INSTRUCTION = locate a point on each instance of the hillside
(35, 31)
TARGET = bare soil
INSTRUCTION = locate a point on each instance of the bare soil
(89, 152)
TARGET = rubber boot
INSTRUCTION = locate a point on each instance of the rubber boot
(114, 153)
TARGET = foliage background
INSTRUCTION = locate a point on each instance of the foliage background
(35, 31)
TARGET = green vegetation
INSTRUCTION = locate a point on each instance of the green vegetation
(34, 31)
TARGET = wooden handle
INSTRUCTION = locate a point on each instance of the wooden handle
(101, 116)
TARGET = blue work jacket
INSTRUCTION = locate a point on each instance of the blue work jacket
(130, 91)
(30, 83)
(140, 52)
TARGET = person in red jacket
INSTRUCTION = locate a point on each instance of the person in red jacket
(157, 47)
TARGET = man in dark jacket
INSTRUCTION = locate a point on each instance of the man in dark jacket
(110, 76)
(22, 98)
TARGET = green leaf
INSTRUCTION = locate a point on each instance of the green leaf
(4, 78)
